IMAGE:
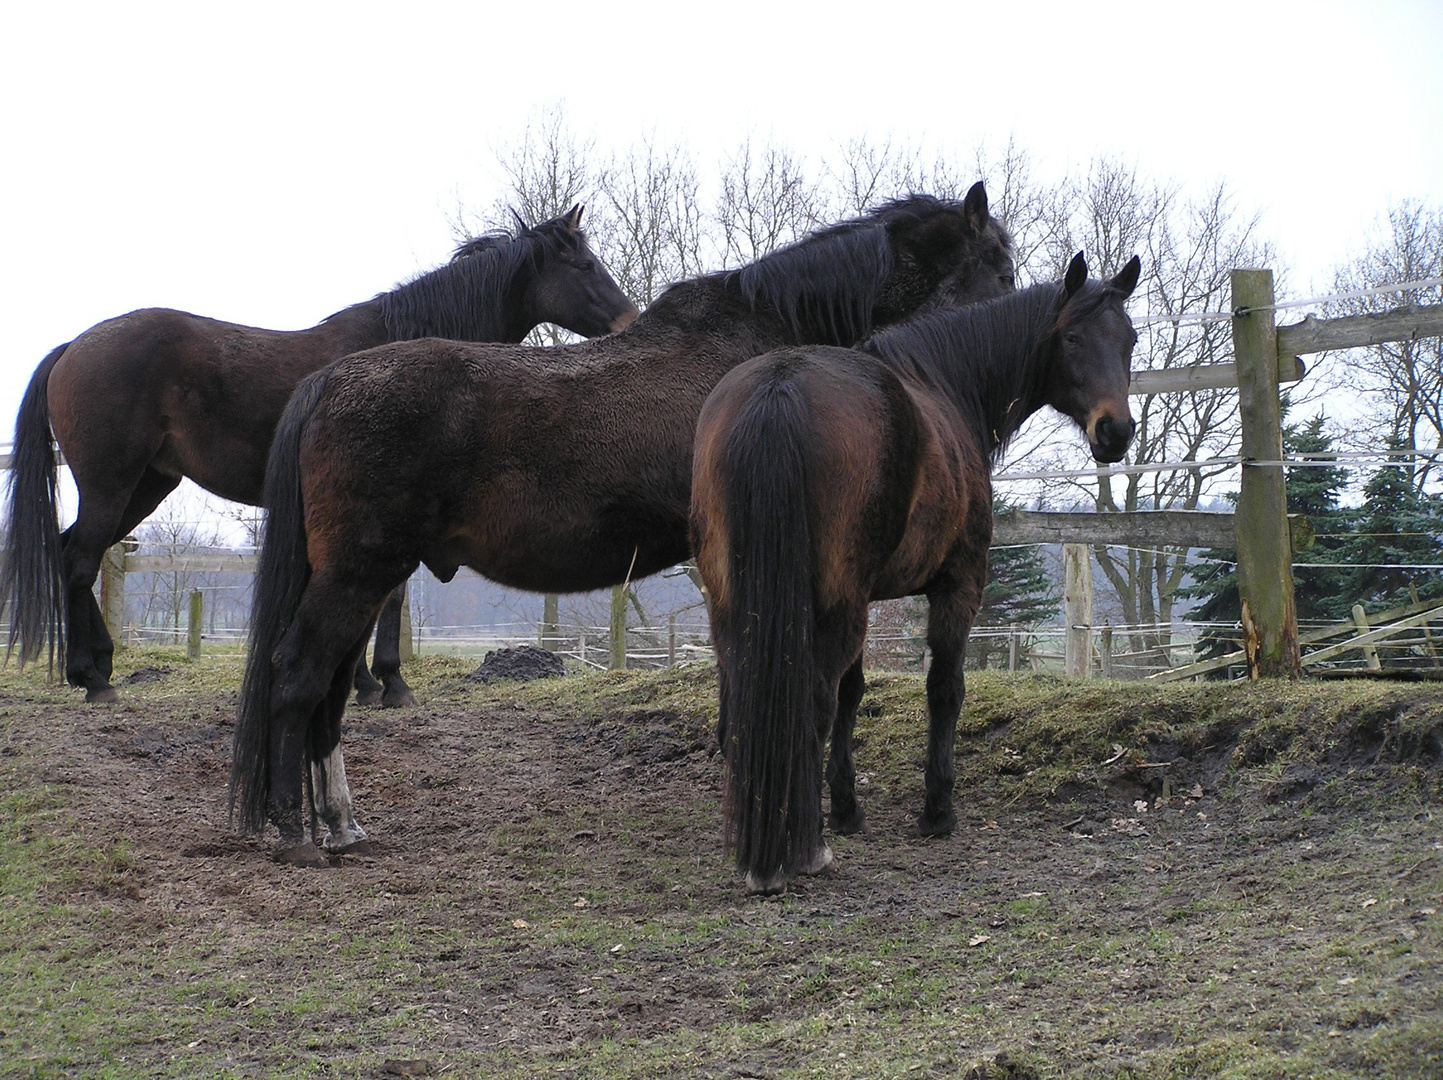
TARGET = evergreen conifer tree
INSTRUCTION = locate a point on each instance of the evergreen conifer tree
(1019, 590)
(1320, 594)
(1395, 525)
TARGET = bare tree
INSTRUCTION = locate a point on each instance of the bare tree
(1400, 383)
(767, 199)
(174, 529)
(656, 228)
(1188, 247)
(861, 174)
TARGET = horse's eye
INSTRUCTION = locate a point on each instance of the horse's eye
(1071, 339)
(586, 266)
(1008, 280)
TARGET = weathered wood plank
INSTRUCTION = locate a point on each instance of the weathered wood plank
(1204, 377)
(1306, 637)
(218, 562)
(1380, 634)
(1143, 528)
(1357, 331)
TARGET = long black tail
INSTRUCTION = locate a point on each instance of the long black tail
(32, 580)
(769, 676)
(280, 580)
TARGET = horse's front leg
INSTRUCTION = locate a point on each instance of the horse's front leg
(949, 620)
(847, 815)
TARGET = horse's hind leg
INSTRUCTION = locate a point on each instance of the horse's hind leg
(368, 690)
(104, 518)
(847, 816)
(386, 664)
(314, 665)
(949, 620)
(330, 791)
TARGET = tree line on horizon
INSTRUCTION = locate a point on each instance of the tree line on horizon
(657, 215)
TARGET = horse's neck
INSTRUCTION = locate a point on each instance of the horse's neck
(995, 380)
(462, 300)
(360, 326)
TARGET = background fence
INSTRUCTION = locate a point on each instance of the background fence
(1269, 639)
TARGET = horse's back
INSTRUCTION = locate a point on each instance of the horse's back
(187, 394)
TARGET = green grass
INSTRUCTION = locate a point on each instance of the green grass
(92, 983)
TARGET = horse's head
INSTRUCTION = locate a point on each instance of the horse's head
(946, 254)
(570, 287)
(1091, 343)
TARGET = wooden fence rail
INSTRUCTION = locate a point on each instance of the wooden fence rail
(1260, 532)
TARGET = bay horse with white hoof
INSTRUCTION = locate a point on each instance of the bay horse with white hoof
(554, 470)
(140, 401)
(827, 478)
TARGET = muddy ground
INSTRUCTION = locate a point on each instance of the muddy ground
(1145, 882)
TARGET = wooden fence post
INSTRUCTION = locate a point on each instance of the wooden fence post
(112, 586)
(1077, 610)
(407, 648)
(1264, 547)
(671, 640)
(197, 615)
(1104, 649)
(1012, 647)
(1370, 652)
(618, 628)
(550, 621)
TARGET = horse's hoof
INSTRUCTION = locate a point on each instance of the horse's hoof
(357, 847)
(402, 699)
(848, 824)
(772, 886)
(101, 695)
(368, 697)
(942, 826)
(820, 861)
(305, 855)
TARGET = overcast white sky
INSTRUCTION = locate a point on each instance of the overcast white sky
(271, 163)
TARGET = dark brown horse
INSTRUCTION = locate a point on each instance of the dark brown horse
(564, 471)
(827, 478)
(138, 402)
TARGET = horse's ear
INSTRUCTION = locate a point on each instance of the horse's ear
(1076, 275)
(1126, 279)
(521, 225)
(573, 217)
(974, 207)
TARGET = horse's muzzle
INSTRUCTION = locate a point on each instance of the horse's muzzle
(1109, 438)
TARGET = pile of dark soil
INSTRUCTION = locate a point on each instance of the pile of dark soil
(145, 675)
(522, 663)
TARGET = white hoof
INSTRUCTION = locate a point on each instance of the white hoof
(769, 886)
(343, 838)
(820, 861)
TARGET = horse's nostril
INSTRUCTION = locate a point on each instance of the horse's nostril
(1115, 430)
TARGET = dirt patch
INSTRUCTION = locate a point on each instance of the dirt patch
(521, 664)
(145, 675)
(1141, 883)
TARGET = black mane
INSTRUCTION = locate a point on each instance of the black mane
(990, 359)
(466, 299)
(826, 285)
